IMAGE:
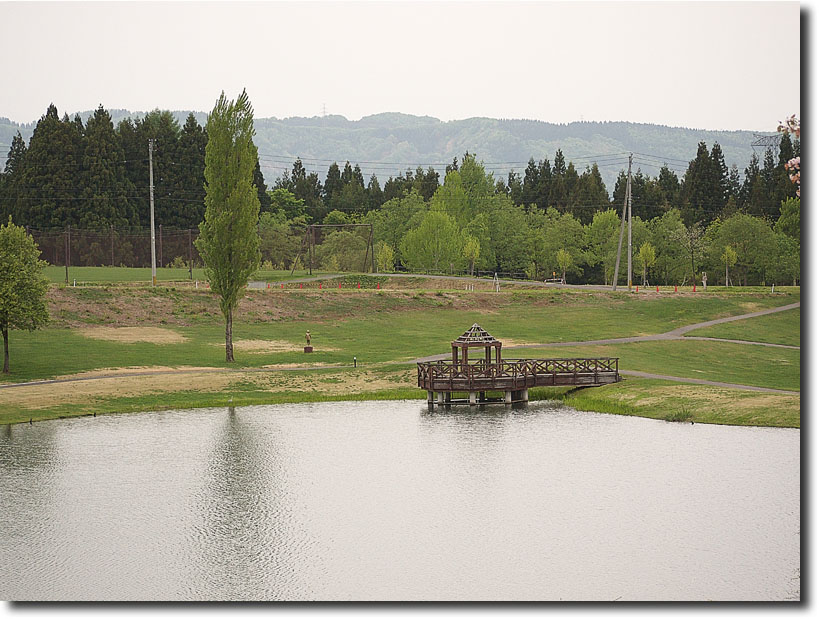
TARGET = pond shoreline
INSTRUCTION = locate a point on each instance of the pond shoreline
(609, 399)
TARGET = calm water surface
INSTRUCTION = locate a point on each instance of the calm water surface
(385, 500)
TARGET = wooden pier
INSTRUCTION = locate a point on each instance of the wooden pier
(513, 377)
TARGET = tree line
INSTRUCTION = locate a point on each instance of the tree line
(552, 218)
(469, 224)
(94, 175)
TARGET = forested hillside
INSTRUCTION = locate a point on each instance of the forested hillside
(387, 144)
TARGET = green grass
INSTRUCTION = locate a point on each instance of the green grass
(781, 328)
(373, 327)
(670, 401)
(775, 368)
(109, 275)
(383, 327)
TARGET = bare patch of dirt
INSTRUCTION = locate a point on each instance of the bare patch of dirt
(507, 343)
(333, 383)
(136, 369)
(710, 398)
(87, 392)
(130, 335)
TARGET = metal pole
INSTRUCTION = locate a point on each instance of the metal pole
(628, 196)
(151, 186)
(112, 244)
(160, 246)
(620, 242)
(372, 250)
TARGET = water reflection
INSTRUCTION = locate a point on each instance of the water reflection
(387, 500)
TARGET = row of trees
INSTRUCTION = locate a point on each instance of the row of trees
(94, 175)
(468, 226)
(707, 190)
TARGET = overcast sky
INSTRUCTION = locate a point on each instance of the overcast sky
(732, 65)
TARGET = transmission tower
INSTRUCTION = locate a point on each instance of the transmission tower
(766, 142)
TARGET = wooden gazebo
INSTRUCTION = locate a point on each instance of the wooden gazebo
(475, 337)
(513, 377)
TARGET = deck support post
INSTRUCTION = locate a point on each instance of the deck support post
(524, 395)
(448, 397)
(440, 395)
(430, 396)
(507, 397)
(473, 397)
(482, 396)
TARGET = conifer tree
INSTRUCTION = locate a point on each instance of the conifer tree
(228, 241)
(375, 197)
(189, 182)
(47, 195)
(530, 184)
(261, 187)
(720, 180)
(543, 185)
(11, 178)
(105, 186)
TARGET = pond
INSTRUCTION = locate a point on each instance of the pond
(392, 501)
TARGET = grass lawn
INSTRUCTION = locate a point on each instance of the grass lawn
(110, 275)
(781, 328)
(110, 328)
(775, 368)
(660, 399)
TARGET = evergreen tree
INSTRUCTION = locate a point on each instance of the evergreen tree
(529, 195)
(333, 183)
(261, 188)
(103, 180)
(769, 176)
(375, 197)
(162, 127)
(135, 153)
(190, 175)
(544, 184)
(515, 186)
(734, 183)
(358, 177)
(228, 241)
(47, 195)
(558, 192)
(669, 184)
(699, 189)
(721, 181)
(11, 178)
(426, 183)
(347, 174)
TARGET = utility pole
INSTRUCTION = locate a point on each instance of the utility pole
(628, 197)
(151, 186)
(626, 202)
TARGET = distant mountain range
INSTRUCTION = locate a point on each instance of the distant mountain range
(388, 144)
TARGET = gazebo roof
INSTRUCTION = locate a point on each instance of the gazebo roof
(476, 336)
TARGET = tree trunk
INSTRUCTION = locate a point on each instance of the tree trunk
(5, 351)
(726, 274)
(229, 336)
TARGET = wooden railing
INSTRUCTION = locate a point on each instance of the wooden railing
(519, 372)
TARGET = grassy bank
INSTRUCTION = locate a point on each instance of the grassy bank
(123, 330)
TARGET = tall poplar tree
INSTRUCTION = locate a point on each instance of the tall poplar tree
(228, 241)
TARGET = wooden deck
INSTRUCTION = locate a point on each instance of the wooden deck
(514, 376)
